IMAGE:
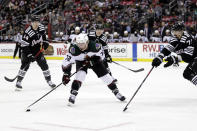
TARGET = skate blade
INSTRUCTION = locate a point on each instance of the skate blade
(18, 89)
(70, 104)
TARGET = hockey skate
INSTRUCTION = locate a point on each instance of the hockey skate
(118, 95)
(51, 84)
(18, 86)
(71, 100)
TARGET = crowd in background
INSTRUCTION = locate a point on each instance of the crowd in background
(123, 20)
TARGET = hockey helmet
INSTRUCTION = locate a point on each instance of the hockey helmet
(35, 18)
(178, 26)
(82, 41)
(177, 29)
(99, 27)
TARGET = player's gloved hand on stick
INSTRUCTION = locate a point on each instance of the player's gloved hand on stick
(65, 79)
(31, 58)
(171, 60)
(108, 58)
(89, 61)
(157, 60)
(45, 45)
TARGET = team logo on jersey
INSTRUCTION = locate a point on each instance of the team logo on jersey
(98, 46)
(72, 50)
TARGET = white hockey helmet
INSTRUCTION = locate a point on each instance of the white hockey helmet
(61, 33)
(82, 41)
(125, 32)
(141, 32)
(156, 32)
(77, 29)
(106, 33)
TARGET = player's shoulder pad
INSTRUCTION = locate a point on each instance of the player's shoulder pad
(92, 35)
(74, 50)
(94, 46)
(41, 28)
(29, 31)
(173, 39)
(103, 38)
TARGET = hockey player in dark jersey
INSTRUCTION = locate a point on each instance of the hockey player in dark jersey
(186, 49)
(99, 37)
(33, 38)
(86, 54)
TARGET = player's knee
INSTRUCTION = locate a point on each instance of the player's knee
(43, 64)
(107, 79)
(76, 85)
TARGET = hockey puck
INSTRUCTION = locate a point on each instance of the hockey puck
(28, 110)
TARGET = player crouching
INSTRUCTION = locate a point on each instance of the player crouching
(87, 55)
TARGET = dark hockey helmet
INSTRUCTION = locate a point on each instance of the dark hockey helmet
(179, 26)
(35, 18)
(99, 27)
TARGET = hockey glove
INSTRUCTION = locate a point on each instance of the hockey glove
(108, 58)
(88, 62)
(65, 79)
(171, 60)
(157, 61)
(31, 58)
(45, 45)
(91, 61)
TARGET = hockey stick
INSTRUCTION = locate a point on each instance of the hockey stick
(11, 80)
(28, 108)
(137, 89)
(139, 70)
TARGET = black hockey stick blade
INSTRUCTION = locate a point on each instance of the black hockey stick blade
(10, 80)
(125, 109)
(141, 69)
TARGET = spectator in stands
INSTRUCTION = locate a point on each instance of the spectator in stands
(126, 37)
(156, 37)
(167, 37)
(147, 31)
(116, 38)
(164, 27)
(141, 37)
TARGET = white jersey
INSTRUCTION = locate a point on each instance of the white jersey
(156, 39)
(70, 58)
(167, 38)
(126, 39)
(142, 38)
(72, 37)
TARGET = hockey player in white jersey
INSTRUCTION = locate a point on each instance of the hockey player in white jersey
(156, 37)
(141, 37)
(72, 37)
(126, 37)
(87, 55)
(167, 37)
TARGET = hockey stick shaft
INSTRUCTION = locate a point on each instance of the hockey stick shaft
(138, 89)
(52, 89)
(139, 70)
(11, 80)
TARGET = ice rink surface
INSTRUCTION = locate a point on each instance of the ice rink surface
(165, 102)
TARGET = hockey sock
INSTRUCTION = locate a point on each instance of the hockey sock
(112, 86)
(75, 85)
(194, 80)
(47, 75)
(21, 75)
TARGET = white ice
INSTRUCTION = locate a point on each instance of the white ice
(165, 102)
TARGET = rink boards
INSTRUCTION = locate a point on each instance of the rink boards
(118, 51)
